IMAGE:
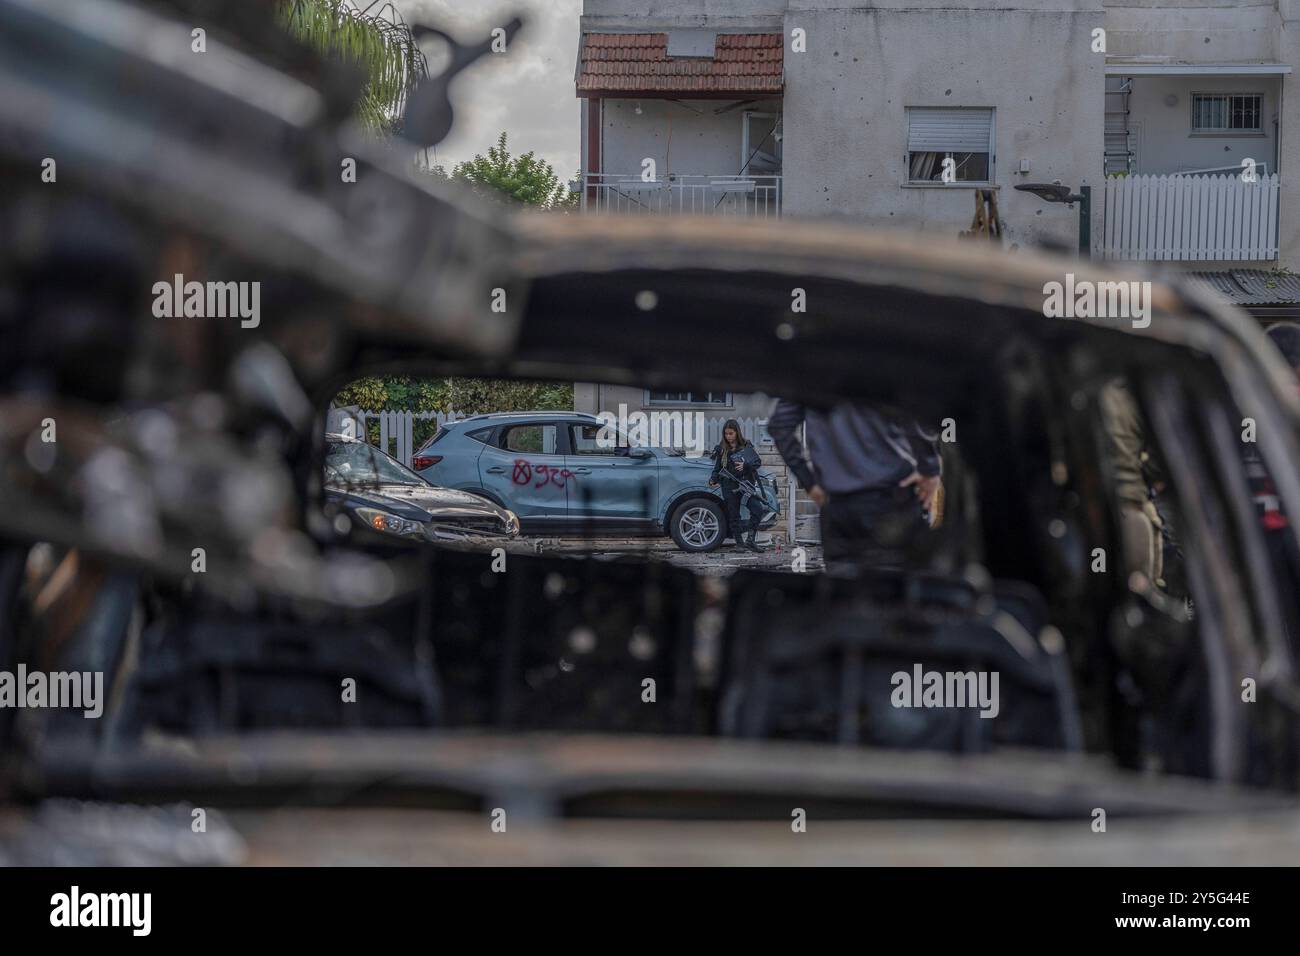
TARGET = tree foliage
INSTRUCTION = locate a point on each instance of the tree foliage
(467, 395)
(523, 179)
(470, 396)
(380, 43)
(503, 395)
(383, 46)
(396, 393)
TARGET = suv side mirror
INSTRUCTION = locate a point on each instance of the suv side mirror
(640, 453)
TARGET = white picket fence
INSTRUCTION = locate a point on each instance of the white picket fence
(397, 430)
(1190, 218)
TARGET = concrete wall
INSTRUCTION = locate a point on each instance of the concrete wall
(686, 137)
(1288, 51)
(846, 100)
(1163, 138)
(649, 15)
(1193, 31)
(1031, 60)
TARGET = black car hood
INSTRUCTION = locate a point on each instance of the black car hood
(426, 503)
(356, 498)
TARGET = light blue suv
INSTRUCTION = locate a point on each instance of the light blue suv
(550, 469)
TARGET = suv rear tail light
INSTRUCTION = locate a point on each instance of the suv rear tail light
(421, 462)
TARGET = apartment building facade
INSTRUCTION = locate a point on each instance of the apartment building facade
(1180, 118)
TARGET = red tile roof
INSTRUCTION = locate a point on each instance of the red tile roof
(612, 64)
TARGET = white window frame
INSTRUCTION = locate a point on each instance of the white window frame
(990, 181)
(745, 146)
(1227, 130)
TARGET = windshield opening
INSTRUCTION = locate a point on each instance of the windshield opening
(356, 464)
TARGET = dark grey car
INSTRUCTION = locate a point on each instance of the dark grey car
(382, 494)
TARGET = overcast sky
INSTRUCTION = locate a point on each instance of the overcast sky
(527, 91)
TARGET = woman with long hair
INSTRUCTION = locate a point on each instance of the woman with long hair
(735, 461)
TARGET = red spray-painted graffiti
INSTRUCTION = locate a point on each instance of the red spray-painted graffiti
(524, 472)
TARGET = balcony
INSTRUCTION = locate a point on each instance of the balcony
(1187, 217)
(731, 195)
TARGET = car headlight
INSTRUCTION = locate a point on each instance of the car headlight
(512, 522)
(390, 523)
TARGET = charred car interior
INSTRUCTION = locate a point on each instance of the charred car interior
(182, 538)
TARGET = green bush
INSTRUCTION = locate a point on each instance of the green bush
(399, 393)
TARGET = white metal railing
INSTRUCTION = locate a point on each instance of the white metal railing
(734, 195)
(1185, 218)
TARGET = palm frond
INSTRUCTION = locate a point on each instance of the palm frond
(379, 42)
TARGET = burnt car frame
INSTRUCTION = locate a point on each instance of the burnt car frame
(229, 681)
(408, 505)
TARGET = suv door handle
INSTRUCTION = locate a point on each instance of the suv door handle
(496, 470)
(582, 471)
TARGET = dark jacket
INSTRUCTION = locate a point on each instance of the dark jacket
(852, 447)
(743, 463)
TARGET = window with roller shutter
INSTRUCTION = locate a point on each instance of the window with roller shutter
(963, 135)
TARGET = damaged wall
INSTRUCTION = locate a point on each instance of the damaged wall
(690, 137)
(846, 100)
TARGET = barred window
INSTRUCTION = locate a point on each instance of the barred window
(1227, 112)
(689, 398)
